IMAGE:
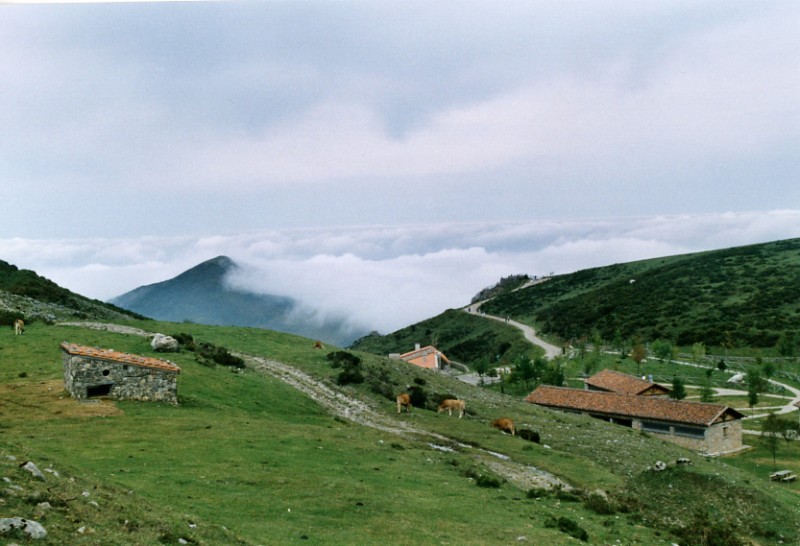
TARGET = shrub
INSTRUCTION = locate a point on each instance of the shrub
(419, 398)
(351, 367)
(529, 435)
(568, 526)
(483, 480)
(703, 531)
(218, 355)
(343, 358)
(599, 504)
(185, 341)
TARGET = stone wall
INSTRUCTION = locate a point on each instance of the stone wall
(86, 377)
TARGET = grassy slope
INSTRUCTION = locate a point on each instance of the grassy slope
(750, 294)
(244, 457)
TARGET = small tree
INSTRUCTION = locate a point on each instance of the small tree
(482, 367)
(755, 385)
(637, 355)
(523, 371)
(771, 431)
(618, 343)
(678, 389)
(698, 352)
(787, 344)
(663, 350)
(706, 391)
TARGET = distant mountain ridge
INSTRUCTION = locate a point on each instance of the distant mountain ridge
(202, 295)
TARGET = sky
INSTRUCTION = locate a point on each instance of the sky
(389, 159)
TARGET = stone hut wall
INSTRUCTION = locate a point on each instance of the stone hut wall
(86, 377)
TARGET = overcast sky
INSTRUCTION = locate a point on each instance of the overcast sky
(390, 159)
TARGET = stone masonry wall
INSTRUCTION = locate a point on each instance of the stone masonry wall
(85, 377)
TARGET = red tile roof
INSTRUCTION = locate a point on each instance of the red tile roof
(622, 383)
(115, 356)
(623, 405)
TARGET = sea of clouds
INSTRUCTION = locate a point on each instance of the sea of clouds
(386, 277)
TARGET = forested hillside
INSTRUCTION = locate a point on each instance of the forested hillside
(746, 296)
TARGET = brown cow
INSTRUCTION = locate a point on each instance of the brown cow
(318, 345)
(449, 404)
(403, 400)
(19, 327)
(505, 424)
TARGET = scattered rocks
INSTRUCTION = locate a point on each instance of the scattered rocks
(659, 466)
(32, 468)
(32, 528)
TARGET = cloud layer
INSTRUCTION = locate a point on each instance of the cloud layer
(386, 277)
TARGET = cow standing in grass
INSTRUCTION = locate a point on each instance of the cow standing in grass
(19, 327)
(449, 404)
(505, 424)
(403, 400)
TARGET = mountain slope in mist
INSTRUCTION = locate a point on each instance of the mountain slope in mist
(202, 295)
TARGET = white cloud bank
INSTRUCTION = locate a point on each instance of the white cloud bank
(386, 277)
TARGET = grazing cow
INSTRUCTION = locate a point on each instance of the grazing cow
(318, 345)
(19, 327)
(403, 400)
(449, 404)
(504, 424)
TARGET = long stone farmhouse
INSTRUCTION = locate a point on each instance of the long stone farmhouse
(91, 372)
(711, 429)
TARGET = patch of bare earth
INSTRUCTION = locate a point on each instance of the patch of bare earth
(32, 401)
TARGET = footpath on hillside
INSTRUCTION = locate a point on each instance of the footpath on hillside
(336, 402)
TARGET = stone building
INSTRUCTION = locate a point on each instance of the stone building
(711, 429)
(90, 372)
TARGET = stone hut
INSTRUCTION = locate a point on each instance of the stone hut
(91, 372)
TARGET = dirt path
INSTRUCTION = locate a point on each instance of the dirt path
(339, 404)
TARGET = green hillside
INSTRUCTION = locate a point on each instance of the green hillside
(26, 295)
(740, 297)
(248, 459)
(461, 336)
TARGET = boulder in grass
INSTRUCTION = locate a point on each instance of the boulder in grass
(164, 344)
(33, 529)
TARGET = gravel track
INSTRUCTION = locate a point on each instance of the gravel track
(339, 404)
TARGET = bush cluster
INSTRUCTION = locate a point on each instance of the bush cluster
(208, 354)
(350, 365)
(568, 526)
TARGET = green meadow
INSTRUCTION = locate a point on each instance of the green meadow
(247, 459)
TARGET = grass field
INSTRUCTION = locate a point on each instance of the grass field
(246, 459)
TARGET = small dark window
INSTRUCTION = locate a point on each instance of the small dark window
(98, 390)
(106, 372)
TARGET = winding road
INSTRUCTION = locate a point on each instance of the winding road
(550, 350)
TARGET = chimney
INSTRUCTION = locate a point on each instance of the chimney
(416, 347)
